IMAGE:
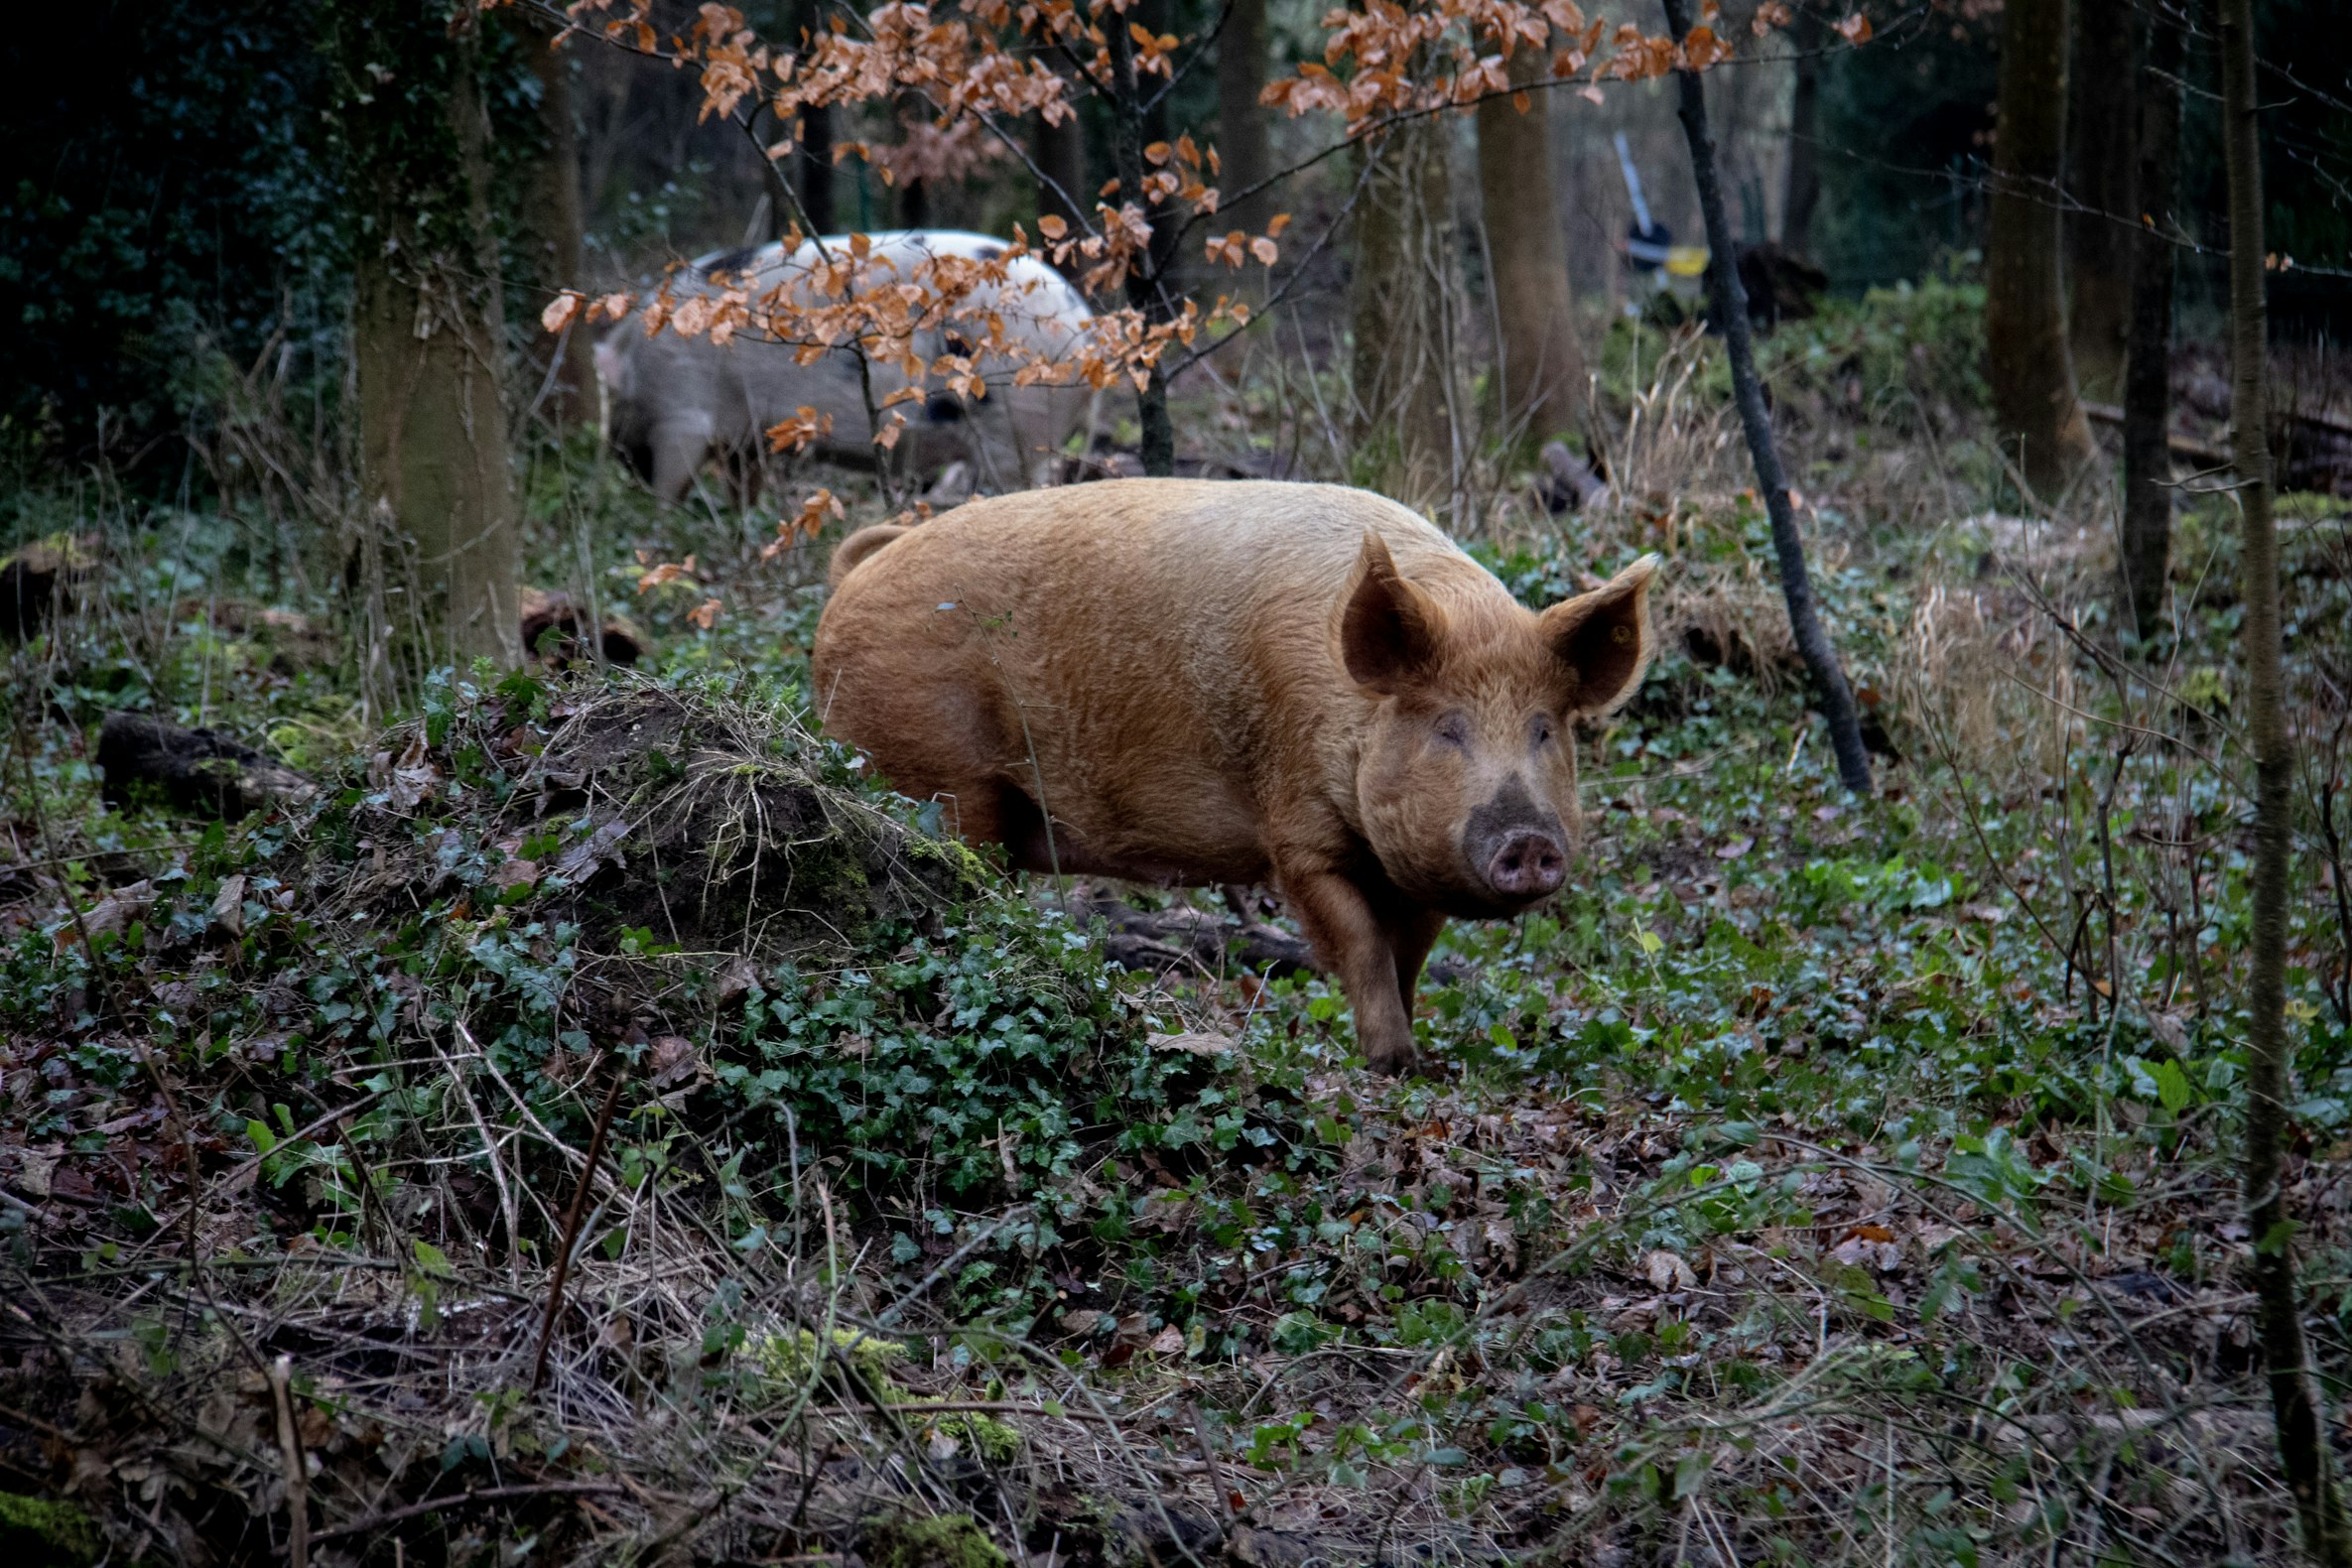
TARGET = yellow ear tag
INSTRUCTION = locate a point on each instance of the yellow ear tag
(1621, 633)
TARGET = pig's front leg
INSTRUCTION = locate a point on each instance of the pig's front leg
(1412, 931)
(1360, 947)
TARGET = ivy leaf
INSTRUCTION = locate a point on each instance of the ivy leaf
(2173, 1087)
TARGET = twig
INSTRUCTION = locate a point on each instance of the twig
(1217, 1481)
(27, 1418)
(916, 1408)
(506, 1203)
(460, 1499)
(915, 1292)
(571, 1221)
(297, 1499)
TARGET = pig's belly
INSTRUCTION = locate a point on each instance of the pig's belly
(1184, 827)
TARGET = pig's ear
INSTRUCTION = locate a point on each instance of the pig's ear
(1390, 633)
(1603, 638)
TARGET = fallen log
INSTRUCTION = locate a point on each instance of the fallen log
(2312, 451)
(542, 611)
(199, 772)
(2200, 452)
(41, 580)
(1182, 936)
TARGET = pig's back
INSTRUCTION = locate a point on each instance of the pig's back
(1164, 647)
(1225, 585)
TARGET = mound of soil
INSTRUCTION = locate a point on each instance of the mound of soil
(631, 809)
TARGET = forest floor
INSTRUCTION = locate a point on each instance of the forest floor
(595, 1124)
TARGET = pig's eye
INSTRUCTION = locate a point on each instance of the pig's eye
(1542, 730)
(1454, 731)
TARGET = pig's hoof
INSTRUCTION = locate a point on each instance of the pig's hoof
(1391, 1063)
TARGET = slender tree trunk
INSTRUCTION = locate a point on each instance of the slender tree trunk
(1129, 119)
(555, 220)
(2146, 557)
(1060, 150)
(1807, 36)
(1064, 189)
(1244, 152)
(816, 142)
(430, 332)
(816, 167)
(2295, 1407)
(2099, 177)
(2035, 405)
(1395, 300)
(1731, 308)
(1542, 363)
(1157, 129)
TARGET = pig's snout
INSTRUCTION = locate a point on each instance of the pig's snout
(1527, 865)
(1517, 846)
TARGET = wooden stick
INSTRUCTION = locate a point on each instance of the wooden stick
(298, 1481)
(572, 1225)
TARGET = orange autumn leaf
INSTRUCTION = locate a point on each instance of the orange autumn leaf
(805, 428)
(667, 572)
(1702, 48)
(808, 521)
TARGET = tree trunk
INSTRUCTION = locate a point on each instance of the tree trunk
(1155, 15)
(430, 332)
(2295, 1407)
(1064, 188)
(1731, 308)
(2146, 557)
(816, 142)
(1396, 297)
(2099, 169)
(1244, 152)
(1129, 120)
(1807, 36)
(816, 167)
(555, 223)
(1542, 363)
(2036, 409)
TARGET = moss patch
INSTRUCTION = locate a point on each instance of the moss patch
(791, 1358)
(37, 1534)
(952, 1540)
(994, 1440)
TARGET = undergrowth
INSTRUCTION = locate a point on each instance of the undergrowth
(1820, 1179)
